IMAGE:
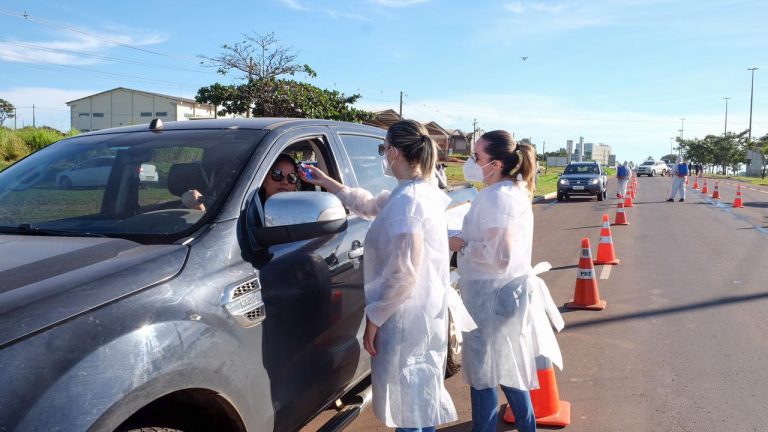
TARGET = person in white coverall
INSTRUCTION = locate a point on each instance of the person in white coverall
(623, 175)
(406, 275)
(678, 179)
(504, 296)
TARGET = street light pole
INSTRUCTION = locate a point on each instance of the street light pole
(751, 93)
(682, 127)
(725, 131)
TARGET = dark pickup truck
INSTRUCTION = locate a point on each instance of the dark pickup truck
(121, 309)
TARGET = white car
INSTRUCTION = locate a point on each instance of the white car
(94, 172)
(652, 168)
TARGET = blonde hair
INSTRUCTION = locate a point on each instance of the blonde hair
(414, 142)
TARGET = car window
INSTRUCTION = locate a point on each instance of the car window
(363, 152)
(121, 197)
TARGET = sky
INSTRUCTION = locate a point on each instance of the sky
(622, 73)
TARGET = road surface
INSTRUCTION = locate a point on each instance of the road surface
(681, 345)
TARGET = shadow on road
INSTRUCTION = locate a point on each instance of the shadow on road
(572, 266)
(583, 227)
(756, 204)
(668, 311)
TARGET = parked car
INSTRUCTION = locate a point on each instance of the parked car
(652, 168)
(582, 178)
(94, 172)
(126, 311)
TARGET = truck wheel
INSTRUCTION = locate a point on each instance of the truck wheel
(600, 195)
(453, 365)
(560, 196)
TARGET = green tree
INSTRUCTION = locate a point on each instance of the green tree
(761, 146)
(261, 64)
(7, 111)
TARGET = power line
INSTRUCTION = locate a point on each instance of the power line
(48, 23)
(100, 57)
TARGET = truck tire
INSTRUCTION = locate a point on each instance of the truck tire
(600, 195)
(560, 196)
(453, 365)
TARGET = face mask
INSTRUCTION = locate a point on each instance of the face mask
(473, 172)
(386, 167)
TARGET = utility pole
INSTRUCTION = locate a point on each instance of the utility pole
(682, 127)
(33, 115)
(544, 155)
(751, 93)
(401, 105)
(474, 136)
(725, 132)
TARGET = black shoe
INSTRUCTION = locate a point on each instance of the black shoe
(670, 200)
(681, 200)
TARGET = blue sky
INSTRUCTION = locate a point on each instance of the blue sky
(620, 72)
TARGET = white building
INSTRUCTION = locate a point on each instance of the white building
(122, 107)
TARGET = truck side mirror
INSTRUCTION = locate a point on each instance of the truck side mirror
(295, 216)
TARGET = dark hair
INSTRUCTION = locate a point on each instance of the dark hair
(284, 157)
(412, 139)
(516, 158)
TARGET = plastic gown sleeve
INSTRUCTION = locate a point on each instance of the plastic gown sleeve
(361, 202)
(491, 254)
(545, 316)
(399, 276)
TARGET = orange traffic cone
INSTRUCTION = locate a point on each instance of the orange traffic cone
(621, 216)
(737, 201)
(695, 182)
(628, 200)
(705, 189)
(632, 192)
(548, 409)
(605, 252)
(716, 192)
(586, 295)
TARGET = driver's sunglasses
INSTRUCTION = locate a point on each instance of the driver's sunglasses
(278, 176)
(382, 149)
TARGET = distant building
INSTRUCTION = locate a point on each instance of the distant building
(123, 106)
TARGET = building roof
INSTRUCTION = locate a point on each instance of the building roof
(384, 119)
(175, 98)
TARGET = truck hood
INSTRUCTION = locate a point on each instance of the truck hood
(46, 280)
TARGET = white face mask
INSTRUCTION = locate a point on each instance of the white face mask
(473, 172)
(386, 167)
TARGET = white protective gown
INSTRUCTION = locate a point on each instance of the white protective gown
(406, 271)
(678, 182)
(509, 302)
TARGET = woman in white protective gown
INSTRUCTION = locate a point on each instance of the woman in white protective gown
(407, 291)
(509, 303)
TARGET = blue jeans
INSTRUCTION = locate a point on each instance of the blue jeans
(424, 429)
(485, 409)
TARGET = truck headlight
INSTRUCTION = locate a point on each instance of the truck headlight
(563, 182)
(594, 181)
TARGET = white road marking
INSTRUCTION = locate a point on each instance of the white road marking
(606, 272)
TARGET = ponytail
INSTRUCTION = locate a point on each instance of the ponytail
(517, 159)
(414, 142)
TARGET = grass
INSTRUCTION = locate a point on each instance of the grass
(753, 180)
(547, 183)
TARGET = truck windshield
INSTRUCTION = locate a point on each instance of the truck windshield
(132, 184)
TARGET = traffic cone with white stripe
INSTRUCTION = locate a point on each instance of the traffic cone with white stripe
(621, 215)
(605, 253)
(548, 409)
(586, 294)
(628, 199)
(716, 192)
(705, 189)
(695, 183)
(737, 202)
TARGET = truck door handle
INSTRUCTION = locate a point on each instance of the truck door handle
(356, 251)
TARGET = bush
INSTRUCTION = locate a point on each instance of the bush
(12, 146)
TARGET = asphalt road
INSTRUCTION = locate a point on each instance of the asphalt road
(681, 345)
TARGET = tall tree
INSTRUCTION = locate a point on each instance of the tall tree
(7, 111)
(261, 62)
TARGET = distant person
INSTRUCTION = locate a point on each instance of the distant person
(622, 174)
(698, 170)
(679, 172)
(690, 168)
